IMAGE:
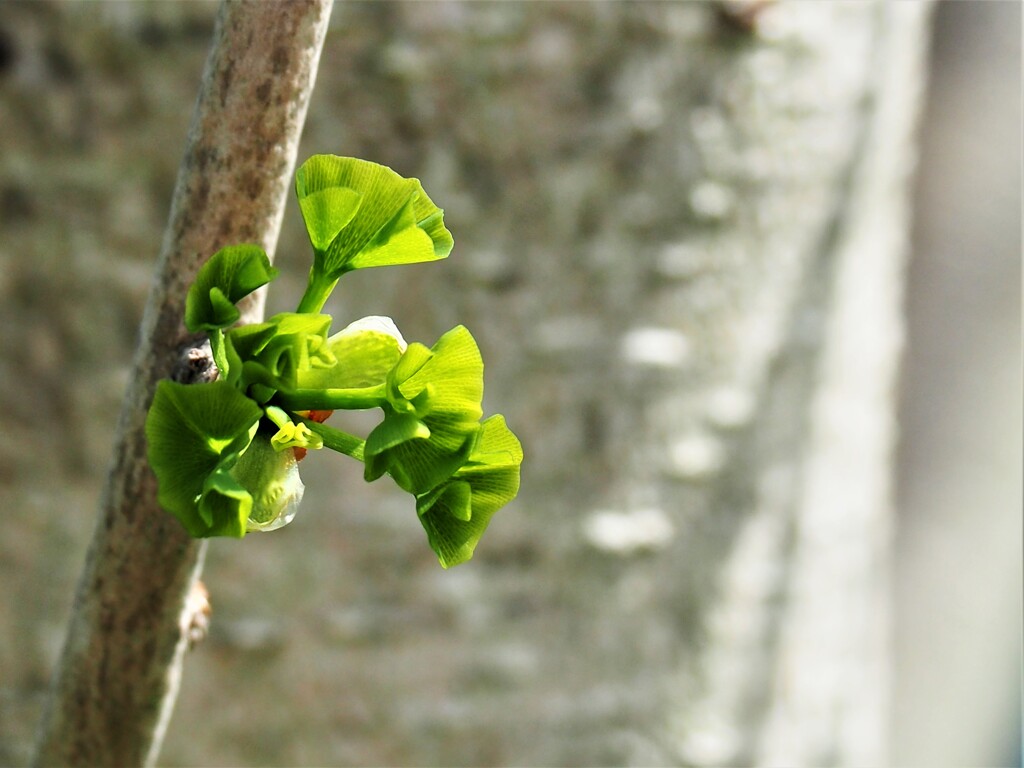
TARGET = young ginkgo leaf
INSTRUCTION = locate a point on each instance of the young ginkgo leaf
(456, 513)
(226, 278)
(364, 353)
(273, 354)
(450, 385)
(326, 212)
(192, 432)
(440, 388)
(379, 218)
(224, 506)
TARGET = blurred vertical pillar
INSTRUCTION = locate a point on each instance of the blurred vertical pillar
(118, 676)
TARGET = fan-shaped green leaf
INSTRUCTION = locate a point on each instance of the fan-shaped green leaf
(364, 353)
(441, 388)
(192, 430)
(395, 222)
(456, 513)
(224, 507)
(226, 278)
(326, 212)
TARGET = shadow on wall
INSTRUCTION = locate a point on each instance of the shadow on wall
(958, 547)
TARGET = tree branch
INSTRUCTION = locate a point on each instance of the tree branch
(118, 676)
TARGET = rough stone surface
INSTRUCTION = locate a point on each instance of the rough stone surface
(650, 205)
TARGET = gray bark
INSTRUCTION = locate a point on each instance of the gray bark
(119, 673)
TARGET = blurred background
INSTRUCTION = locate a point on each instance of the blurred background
(958, 543)
(339, 641)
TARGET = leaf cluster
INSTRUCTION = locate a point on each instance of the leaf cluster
(226, 453)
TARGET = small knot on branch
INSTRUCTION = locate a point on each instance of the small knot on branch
(195, 364)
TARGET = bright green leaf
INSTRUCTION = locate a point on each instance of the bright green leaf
(442, 388)
(417, 466)
(413, 359)
(456, 513)
(400, 241)
(326, 212)
(454, 375)
(226, 278)
(191, 431)
(396, 223)
(224, 506)
(364, 353)
(393, 431)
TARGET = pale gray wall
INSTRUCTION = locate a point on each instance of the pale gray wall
(94, 103)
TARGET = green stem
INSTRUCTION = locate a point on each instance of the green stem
(336, 440)
(333, 399)
(317, 292)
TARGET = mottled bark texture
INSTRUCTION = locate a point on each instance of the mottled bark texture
(118, 676)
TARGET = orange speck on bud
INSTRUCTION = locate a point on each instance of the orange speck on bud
(318, 416)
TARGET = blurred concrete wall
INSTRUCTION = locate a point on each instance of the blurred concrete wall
(94, 103)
